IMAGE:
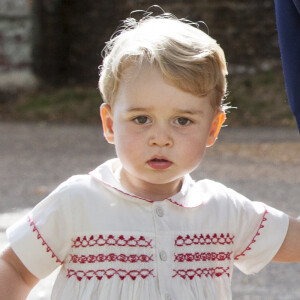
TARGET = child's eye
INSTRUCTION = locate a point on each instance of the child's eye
(183, 121)
(141, 120)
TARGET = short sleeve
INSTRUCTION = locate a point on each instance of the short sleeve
(260, 233)
(42, 238)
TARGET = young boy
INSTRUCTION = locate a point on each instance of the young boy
(138, 227)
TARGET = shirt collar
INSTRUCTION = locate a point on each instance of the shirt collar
(109, 174)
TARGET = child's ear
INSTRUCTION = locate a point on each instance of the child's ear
(215, 128)
(107, 122)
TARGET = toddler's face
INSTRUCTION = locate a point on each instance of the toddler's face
(160, 132)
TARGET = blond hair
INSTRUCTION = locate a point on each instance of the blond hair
(186, 56)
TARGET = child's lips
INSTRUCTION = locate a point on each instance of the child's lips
(159, 163)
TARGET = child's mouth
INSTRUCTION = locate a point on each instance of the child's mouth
(159, 163)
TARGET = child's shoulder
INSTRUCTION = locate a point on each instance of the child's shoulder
(216, 193)
(210, 188)
(74, 184)
(89, 181)
(78, 191)
(76, 187)
(81, 185)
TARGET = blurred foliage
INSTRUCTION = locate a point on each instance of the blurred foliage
(66, 105)
(259, 100)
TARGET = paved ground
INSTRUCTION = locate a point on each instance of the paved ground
(262, 163)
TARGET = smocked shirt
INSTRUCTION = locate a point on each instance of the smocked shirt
(111, 244)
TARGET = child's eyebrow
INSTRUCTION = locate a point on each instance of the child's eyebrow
(189, 112)
(176, 111)
(137, 109)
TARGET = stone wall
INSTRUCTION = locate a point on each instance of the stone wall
(68, 37)
(61, 40)
(15, 44)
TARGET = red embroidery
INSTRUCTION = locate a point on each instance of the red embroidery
(204, 256)
(100, 258)
(111, 240)
(44, 243)
(109, 273)
(207, 239)
(207, 272)
(255, 236)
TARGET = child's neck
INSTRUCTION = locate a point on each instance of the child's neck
(146, 190)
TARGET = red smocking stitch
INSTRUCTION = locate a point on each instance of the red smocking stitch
(201, 239)
(111, 240)
(255, 236)
(109, 273)
(132, 258)
(44, 243)
(207, 272)
(203, 256)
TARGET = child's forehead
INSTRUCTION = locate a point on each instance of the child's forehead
(132, 70)
(147, 88)
(145, 74)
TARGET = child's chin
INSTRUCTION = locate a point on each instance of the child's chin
(162, 181)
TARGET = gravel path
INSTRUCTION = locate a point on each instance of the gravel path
(261, 163)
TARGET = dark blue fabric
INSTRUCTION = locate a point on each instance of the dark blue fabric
(288, 26)
(297, 4)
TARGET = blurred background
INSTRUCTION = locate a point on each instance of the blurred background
(50, 51)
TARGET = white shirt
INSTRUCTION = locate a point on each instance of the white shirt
(114, 245)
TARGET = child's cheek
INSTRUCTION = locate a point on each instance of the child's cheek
(129, 138)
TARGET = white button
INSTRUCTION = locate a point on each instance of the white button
(159, 211)
(163, 255)
(168, 297)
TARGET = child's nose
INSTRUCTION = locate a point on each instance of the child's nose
(161, 137)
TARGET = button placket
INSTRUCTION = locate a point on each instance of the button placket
(163, 255)
(163, 242)
(168, 297)
(159, 211)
